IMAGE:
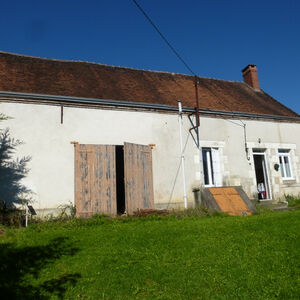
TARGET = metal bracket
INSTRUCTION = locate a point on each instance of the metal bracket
(74, 143)
(195, 128)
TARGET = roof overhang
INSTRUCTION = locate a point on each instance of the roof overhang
(4, 95)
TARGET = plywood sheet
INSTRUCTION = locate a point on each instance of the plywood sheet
(138, 177)
(230, 201)
(95, 180)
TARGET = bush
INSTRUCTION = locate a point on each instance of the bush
(11, 217)
(293, 201)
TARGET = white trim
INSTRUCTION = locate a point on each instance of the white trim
(213, 164)
(216, 166)
(265, 171)
(212, 144)
(282, 155)
(209, 168)
(271, 145)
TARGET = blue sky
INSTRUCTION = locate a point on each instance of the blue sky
(216, 38)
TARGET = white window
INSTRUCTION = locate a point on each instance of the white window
(285, 163)
(211, 167)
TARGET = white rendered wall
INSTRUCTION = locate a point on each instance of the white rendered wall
(51, 175)
(260, 134)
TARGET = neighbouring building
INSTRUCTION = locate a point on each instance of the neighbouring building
(107, 138)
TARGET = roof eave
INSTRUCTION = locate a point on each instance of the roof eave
(136, 105)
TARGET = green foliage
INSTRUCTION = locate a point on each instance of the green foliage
(197, 212)
(3, 117)
(263, 209)
(293, 201)
(67, 211)
(156, 257)
(12, 171)
(10, 217)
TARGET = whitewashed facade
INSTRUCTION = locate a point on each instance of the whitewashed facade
(48, 142)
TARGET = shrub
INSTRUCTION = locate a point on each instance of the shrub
(293, 201)
(11, 217)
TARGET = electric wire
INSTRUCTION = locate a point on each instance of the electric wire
(193, 73)
(175, 51)
(164, 38)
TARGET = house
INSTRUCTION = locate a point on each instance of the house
(107, 138)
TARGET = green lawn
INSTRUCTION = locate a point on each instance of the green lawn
(254, 257)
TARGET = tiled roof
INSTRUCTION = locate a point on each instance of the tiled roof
(27, 74)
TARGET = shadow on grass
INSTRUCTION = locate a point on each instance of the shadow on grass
(20, 268)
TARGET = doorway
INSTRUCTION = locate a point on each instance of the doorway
(261, 173)
(112, 179)
(120, 180)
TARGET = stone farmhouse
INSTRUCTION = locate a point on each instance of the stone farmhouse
(106, 138)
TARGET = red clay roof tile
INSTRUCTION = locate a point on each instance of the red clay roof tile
(27, 74)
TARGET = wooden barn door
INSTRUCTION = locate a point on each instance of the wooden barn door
(95, 180)
(138, 177)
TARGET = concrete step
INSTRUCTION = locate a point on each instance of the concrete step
(270, 203)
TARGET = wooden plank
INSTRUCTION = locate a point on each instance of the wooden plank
(138, 177)
(95, 180)
(82, 181)
(105, 180)
(230, 201)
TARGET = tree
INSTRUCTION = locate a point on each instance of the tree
(12, 171)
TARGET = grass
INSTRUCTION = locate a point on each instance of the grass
(254, 257)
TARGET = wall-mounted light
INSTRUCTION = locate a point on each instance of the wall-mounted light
(259, 140)
(276, 167)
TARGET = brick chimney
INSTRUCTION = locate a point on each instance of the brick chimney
(250, 76)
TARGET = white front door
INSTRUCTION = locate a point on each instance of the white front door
(261, 173)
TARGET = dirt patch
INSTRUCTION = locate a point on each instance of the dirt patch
(150, 212)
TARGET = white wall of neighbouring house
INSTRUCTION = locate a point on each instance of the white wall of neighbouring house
(238, 166)
(48, 142)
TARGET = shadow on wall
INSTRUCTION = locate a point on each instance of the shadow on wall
(12, 171)
(20, 267)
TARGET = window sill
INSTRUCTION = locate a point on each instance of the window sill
(288, 182)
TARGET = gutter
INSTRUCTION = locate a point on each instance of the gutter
(142, 105)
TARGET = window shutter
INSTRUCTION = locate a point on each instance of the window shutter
(216, 166)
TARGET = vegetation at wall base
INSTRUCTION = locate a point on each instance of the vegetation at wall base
(293, 201)
(156, 257)
(11, 217)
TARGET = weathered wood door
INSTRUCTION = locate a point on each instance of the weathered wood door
(138, 177)
(95, 180)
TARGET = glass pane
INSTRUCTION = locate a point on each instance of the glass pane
(287, 166)
(281, 166)
(205, 167)
(211, 169)
(283, 150)
(258, 150)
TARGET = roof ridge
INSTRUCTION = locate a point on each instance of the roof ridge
(114, 66)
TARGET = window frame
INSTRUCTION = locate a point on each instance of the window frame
(282, 154)
(209, 166)
(212, 164)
